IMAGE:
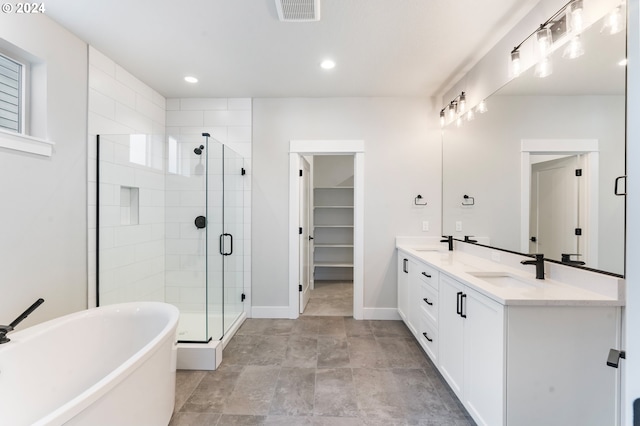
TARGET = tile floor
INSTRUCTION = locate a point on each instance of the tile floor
(319, 370)
(331, 298)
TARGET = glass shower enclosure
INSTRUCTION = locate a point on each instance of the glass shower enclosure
(170, 228)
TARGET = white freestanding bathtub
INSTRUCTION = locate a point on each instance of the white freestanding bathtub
(113, 365)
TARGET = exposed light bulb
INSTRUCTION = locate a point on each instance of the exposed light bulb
(576, 20)
(462, 103)
(543, 35)
(470, 115)
(452, 110)
(516, 66)
(544, 68)
(482, 107)
(442, 118)
(614, 22)
(574, 49)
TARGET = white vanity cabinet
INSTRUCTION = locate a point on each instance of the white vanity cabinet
(519, 362)
(471, 359)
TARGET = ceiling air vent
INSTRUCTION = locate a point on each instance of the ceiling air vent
(298, 10)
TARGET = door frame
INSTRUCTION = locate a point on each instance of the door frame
(588, 147)
(298, 148)
(304, 237)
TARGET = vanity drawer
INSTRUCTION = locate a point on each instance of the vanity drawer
(429, 302)
(428, 338)
(428, 275)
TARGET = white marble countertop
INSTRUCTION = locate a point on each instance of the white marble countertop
(547, 292)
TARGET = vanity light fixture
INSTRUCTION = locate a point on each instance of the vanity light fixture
(482, 107)
(470, 115)
(544, 68)
(543, 36)
(515, 62)
(452, 110)
(442, 118)
(462, 103)
(574, 49)
(614, 23)
(459, 121)
(576, 21)
(191, 79)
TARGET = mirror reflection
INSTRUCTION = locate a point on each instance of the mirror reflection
(536, 172)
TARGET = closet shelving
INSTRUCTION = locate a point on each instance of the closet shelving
(333, 233)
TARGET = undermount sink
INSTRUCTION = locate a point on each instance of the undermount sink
(432, 249)
(503, 279)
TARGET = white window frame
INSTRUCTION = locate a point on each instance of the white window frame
(22, 92)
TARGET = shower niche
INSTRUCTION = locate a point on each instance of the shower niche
(186, 244)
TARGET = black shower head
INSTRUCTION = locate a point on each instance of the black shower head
(198, 150)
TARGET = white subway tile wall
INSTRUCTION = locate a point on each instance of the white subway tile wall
(163, 256)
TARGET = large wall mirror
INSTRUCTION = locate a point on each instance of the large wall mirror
(538, 169)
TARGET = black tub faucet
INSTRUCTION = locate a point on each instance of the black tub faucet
(4, 329)
(539, 262)
(448, 239)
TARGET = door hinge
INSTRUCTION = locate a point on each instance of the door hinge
(300, 230)
(242, 297)
(300, 173)
(243, 171)
(578, 172)
(300, 287)
(578, 231)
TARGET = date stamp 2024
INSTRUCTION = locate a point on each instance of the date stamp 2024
(23, 8)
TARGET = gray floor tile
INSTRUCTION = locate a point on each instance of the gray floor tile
(333, 352)
(302, 351)
(194, 419)
(253, 391)
(186, 383)
(289, 421)
(364, 352)
(390, 329)
(357, 328)
(213, 390)
(335, 393)
(294, 392)
(240, 420)
(331, 326)
(266, 327)
(377, 393)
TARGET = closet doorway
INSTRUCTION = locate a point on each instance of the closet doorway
(331, 248)
(335, 230)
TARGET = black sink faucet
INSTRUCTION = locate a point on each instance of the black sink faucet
(566, 259)
(467, 239)
(539, 262)
(4, 329)
(448, 239)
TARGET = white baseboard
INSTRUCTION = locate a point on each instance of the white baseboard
(381, 314)
(270, 312)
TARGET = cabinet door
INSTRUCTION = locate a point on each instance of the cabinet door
(484, 358)
(415, 291)
(450, 332)
(403, 286)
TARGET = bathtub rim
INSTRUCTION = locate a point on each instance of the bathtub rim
(77, 404)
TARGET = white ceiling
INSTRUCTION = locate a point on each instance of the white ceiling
(239, 48)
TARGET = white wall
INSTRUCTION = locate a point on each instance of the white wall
(43, 237)
(131, 256)
(402, 159)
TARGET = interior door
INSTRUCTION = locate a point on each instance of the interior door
(554, 208)
(305, 240)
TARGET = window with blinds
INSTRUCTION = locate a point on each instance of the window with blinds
(10, 95)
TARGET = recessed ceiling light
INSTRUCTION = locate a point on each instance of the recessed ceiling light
(190, 79)
(623, 62)
(327, 64)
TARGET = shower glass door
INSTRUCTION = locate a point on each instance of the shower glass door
(233, 258)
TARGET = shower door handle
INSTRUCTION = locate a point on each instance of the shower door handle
(222, 252)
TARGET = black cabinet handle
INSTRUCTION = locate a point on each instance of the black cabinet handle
(463, 311)
(405, 266)
(426, 275)
(427, 337)
(458, 303)
(427, 302)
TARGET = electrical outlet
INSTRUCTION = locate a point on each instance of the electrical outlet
(458, 226)
(425, 225)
